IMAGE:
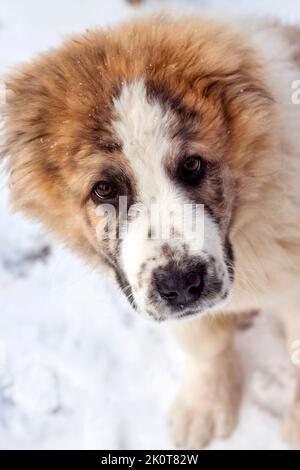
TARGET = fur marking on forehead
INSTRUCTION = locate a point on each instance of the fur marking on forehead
(143, 128)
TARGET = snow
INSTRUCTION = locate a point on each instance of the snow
(79, 369)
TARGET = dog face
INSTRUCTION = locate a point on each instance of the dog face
(173, 274)
(157, 114)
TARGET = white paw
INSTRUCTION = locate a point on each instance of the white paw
(207, 407)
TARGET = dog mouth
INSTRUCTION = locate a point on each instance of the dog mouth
(212, 293)
(180, 286)
(210, 300)
(160, 312)
(201, 309)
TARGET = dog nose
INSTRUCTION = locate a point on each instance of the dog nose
(180, 289)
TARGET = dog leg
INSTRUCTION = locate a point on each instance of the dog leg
(208, 403)
(292, 423)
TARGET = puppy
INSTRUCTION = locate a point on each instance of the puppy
(171, 112)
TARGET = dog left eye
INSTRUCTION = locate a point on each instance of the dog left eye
(104, 191)
(191, 169)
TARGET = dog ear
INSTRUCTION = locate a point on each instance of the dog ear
(39, 103)
(51, 103)
(21, 118)
(33, 106)
(24, 130)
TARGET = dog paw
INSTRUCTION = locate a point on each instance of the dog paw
(291, 430)
(193, 426)
(205, 409)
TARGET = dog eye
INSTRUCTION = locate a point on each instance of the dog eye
(191, 169)
(104, 191)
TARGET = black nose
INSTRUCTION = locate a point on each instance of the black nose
(180, 289)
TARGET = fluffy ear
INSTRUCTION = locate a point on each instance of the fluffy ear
(52, 103)
(31, 113)
(24, 131)
(34, 140)
(46, 115)
(25, 155)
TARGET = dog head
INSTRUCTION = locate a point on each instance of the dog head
(150, 118)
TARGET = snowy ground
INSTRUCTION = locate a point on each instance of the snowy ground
(77, 368)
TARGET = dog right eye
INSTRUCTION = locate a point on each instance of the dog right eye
(104, 191)
(191, 170)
